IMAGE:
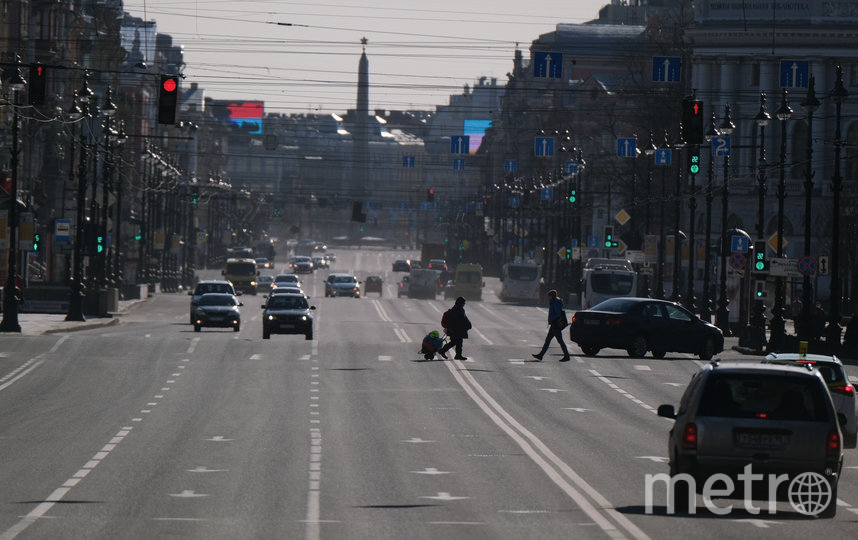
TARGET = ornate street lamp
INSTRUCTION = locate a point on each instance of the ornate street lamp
(832, 332)
(778, 330)
(707, 304)
(12, 79)
(758, 318)
(649, 151)
(121, 138)
(76, 293)
(108, 110)
(662, 240)
(722, 317)
(809, 104)
(678, 235)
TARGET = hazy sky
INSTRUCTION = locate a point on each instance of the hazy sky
(303, 56)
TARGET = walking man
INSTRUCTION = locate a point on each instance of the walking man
(556, 320)
(456, 324)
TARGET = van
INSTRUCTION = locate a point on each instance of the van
(424, 283)
(242, 273)
(468, 281)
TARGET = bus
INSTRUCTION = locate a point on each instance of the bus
(608, 278)
(242, 273)
(520, 282)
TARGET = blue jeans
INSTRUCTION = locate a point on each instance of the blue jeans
(554, 332)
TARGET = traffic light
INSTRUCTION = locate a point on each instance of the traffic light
(692, 121)
(568, 253)
(195, 197)
(37, 83)
(760, 289)
(609, 237)
(37, 239)
(99, 243)
(761, 262)
(573, 194)
(693, 157)
(168, 97)
(430, 195)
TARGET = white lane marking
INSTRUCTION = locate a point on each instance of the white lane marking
(556, 469)
(657, 459)
(188, 493)
(204, 469)
(673, 383)
(384, 358)
(192, 347)
(176, 519)
(621, 391)
(256, 357)
(643, 368)
(27, 367)
(218, 438)
(487, 340)
(400, 333)
(379, 308)
(416, 440)
(576, 409)
(553, 390)
(444, 496)
(430, 471)
(535, 377)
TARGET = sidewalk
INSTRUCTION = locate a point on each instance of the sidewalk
(33, 324)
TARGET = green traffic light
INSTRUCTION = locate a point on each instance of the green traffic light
(573, 196)
(695, 169)
(760, 265)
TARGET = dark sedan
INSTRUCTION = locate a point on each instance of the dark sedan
(219, 310)
(287, 314)
(639, 325)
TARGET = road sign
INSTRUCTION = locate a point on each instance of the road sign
(781, 266)
(593, 241)
(460, 144)
(662, 156)
(514, 202)
(627, 147)
(458, 164)
(622, 217)
(510, 165)
(738, 261)
(807, 265)
(62, 230)
(408, 162)
(721, 146)
(666, 69)
(571, 167)
(739, 244)
(547, 64)
(561, 252)
(773, 242)
(621, 246)
(794, 73)
(824, 266)
(543, 146)
(547, 194)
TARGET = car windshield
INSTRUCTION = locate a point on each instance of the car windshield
(216, 300)
(241, 268)
(345, 279)
(204, 288)
(763, 396)
(468, 277)
(287, 302)
(523, 273)
(286, 279)
(605, 283)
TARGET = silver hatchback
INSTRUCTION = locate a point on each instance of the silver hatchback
(776, 419)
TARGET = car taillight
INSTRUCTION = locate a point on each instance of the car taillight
(689, 437)
(832, 446)
(613, 321)
(845, 389)
(575, 318)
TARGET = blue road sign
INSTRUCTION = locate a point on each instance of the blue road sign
(543, 146)
(458, 164)
(662, 156)
(593, 241)
(460, 144)
(408, 162)
(571, 167)
(547, 64)
(794, 73)
(547, 194)
(721, 145)
(627, 147)
(739, 243)
(514, 202)
(510, 165)
(666, 69)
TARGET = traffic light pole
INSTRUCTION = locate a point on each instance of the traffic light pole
(76, 294)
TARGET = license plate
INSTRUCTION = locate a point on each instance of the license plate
(215, 319)
(590, 322)
(287, 325)
(761, 440)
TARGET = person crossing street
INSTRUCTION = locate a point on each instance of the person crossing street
(556, 324)
(456, 324)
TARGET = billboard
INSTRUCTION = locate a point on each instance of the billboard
(476, 129)
(247, 114)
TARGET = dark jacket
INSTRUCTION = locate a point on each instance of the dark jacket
(459, 323)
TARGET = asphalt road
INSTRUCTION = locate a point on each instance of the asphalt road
(146, 429)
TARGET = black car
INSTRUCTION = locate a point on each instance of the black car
(287, 314)
(218, 310)
(208, 286)
(639, 325)
(401, 265)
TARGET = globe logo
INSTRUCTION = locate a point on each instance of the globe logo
(809, 493)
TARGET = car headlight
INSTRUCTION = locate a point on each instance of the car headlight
(271, 317)
(303, 317)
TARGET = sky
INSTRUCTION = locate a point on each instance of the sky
(302, 57)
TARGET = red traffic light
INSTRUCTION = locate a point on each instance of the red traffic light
(169, 84)
(431, 191)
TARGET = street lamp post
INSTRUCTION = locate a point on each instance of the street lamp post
(706, 306)
(676, 294)
(832, 332)
(10, 298)
(649, 151)
(810, 103)
(758, 318)
(117, 225)
(722, 317)
(662, 235)
(108, 110)
(778, 329)
(76, 293)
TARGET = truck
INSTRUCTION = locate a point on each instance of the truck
(242, 273)
(432, 251)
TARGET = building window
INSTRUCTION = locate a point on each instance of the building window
(755, 74)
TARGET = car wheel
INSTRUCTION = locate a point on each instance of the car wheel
(708, 350)
(590, 350)
(197, 328)
(637, 348)
(236, 328)
(266, 334)
(308, 336)
(658, 353)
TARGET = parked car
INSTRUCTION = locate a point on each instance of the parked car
(208, 286)
(342, 285)
(373, 284)
(842, 391)
(639, 325)
(402, 286)
(264, 282)
(217, 310)
(777, 419)
(401, 265)
(287, 314)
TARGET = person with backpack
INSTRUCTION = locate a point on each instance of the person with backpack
(556, 323)
(456, 324)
